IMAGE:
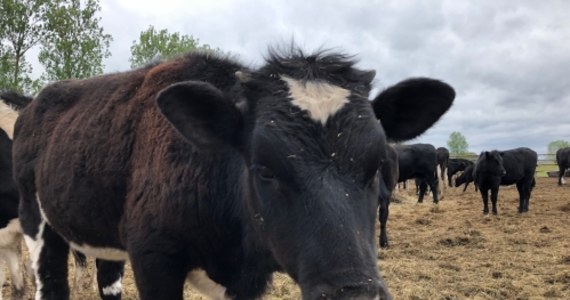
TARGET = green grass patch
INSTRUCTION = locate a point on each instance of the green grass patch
(541, 169)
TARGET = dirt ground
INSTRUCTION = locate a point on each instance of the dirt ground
(451, 251)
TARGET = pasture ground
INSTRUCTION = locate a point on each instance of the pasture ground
(451, 251)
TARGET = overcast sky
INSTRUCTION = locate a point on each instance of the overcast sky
(509, 61)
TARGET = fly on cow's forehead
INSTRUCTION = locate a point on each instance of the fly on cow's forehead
(321, 99)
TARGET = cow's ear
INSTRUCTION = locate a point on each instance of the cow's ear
(410, 107)
(487, 154)
(201, 113)
(502, 153)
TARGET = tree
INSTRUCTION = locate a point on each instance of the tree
(21, 28)
(558, 144)
(153, 43)
(457, 143)
(76, 44)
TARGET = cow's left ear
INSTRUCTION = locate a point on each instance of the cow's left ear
(410, 107)
(201, 113)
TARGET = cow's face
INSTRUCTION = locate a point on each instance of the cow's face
(492, 163)
(313, 158)
(312, 145)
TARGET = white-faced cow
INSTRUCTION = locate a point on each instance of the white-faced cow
(201, 169)
(563, 161)
(10, 230)
(494, 168)
(389, 172)
(419, 161)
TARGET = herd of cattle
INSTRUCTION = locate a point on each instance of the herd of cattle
(202, 170)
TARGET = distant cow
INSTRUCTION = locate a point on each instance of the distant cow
(563, 161)
(419, 161)
(494, 168)
(389, 172)
(442, 160)
(456, 165)
(201, 169)
(465, 178)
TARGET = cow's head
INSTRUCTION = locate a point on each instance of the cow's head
(313, 145)
(491, 163)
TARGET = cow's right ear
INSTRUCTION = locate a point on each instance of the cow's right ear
(201, 113)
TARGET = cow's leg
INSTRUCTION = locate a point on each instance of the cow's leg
(47, 250)
(433, 185)
(383, 213)
(109, 276)
(423, 188)
(494, 196)
(485, 197)
(48, 253)
(14, 259)
(465, 187)
(561, 171)
(158, 275)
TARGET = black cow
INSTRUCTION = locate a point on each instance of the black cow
(419, 161)
(494, 168)
(456, 165)
(465, 178)
(442, 160)
(201, 169)
(389, 172)
(10, 232)
(11, 103)
(563, 161)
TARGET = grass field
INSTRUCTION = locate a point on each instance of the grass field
(451, 251)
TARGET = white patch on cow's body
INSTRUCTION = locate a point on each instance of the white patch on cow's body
(321, 99)
(563, 180)
(200, 281)
(113, 289)
(8, 118)
(101, 252)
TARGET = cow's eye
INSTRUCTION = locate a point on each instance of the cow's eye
(264, 173)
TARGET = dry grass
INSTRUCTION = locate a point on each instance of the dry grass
(451, 251)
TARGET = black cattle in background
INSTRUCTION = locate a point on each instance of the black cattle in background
(456, 165)
(419, 161)
(465, 178)
(442, 160)
(494, 168)
(389, 172)
(563, 161)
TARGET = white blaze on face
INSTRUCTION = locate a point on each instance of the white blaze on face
(321, 99)
(7, 118)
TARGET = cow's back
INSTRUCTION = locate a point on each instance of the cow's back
(520, 163)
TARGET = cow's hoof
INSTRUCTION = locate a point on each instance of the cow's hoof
(495, 212)
(485, 212)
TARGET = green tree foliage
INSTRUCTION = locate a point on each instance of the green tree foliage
(21, 28)
(558, 144)
(153, 43)
(75, 44)
(457, 144)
